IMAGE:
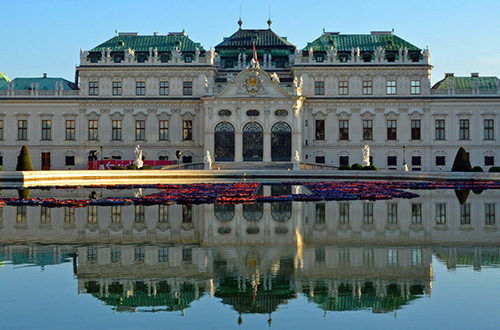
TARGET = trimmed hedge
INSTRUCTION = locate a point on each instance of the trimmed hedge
(370, 168)
(494, 169)
(357, 167)
(345, 168)
(132, 167)
(477, 169)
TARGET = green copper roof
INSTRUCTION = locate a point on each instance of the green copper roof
(3, 80)
(365, 42)
(467, 83)
(262, 38)
(43, 84)
(143, 43)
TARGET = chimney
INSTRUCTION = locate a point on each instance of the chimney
(474, 74)
(447, 75)
(45, 75)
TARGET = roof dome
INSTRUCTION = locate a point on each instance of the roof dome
(3, 80)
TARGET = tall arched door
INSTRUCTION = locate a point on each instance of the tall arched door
(252, 142)
(224, 142)
(281, 142)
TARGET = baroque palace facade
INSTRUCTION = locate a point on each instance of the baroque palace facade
(318, 104)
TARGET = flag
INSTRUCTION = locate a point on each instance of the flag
(255, 53)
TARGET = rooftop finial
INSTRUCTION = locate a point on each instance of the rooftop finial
(269, 22)
(240, 22)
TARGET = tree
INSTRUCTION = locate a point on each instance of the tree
(24, 160)
(462, 162)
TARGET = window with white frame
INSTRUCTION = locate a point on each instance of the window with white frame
(140, 88)
(163, 133)
(367, 87)
(391, 87)
(489, 214)
(367, 129)
(391, 129)
(440, 213)
(93, 129)
(489, 129)
(22, 129)
(343, 129)
(464, 133)
(415, 87)
(343, 87)
(415, 129)
(117, 88)
(187, 88)
(163, 87)
(140, 130)
(116, 130)
(439, 125)
(46, 129)
(70, 129)
(319, 87)
(93, 88)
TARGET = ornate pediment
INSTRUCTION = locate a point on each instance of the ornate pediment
(253, 82)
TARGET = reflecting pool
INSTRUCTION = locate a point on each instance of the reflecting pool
(426, 262)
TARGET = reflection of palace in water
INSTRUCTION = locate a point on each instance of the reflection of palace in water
(255, 257)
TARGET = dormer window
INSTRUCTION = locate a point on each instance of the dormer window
(164, 58)
(118, 58)
(390, 58)
(343, 58)
(120, 43)
(94, 58)
(188, 58)
(141, 58)
(319, 58)
(389, 42)
(367, 58)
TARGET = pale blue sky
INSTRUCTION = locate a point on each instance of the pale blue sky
(40, 36)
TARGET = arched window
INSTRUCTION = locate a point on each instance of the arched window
(224, 142)
(141, 58)
(281, 211)
(224, 212)
(281, 142)
(367, 58)
(252, 142)
(253, 212)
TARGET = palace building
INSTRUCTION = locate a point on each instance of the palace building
(253, 101)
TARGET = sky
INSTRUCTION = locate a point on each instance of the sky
(46, 36)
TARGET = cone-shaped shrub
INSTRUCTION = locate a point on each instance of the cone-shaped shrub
(462, 162)
(24, 160)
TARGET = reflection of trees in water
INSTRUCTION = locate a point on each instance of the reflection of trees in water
(143, 297)
(381, 298)
(253, 212)
(224, 212)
